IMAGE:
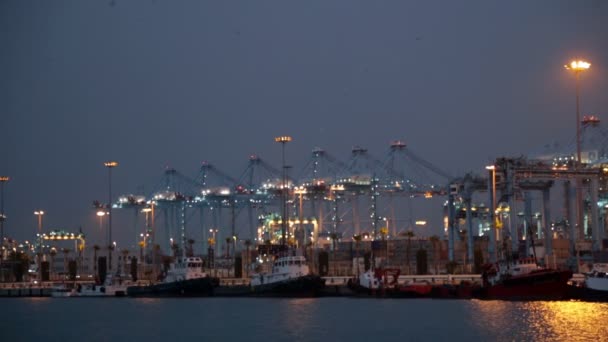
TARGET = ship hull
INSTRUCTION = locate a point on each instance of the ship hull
(304, 286)
(545, 285)
(587, 294)
(198, 287)
(399, 291)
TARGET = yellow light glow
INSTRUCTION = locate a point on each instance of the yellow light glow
(421, 223)
(490, 167)
(110, 164)
(283, 139)
(4, 178)
(578, 65)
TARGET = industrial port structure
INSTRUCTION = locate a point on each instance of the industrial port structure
(330, 201)
(507, 210)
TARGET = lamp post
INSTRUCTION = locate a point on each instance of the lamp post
(283, 140)
(101, 214)
(578, 66)
(39, 213)
(492, 186)
(3, 179)
(110, 165)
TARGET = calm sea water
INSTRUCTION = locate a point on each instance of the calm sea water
(320, 319)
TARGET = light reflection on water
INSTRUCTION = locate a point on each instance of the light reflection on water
(299, 316)
(542, 321)
(311, 319)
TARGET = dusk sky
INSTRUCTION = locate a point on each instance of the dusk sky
(157, 83)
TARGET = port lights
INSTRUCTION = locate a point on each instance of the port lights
(283, 139)
(578, 65)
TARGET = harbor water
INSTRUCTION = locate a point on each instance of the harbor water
(308, 319)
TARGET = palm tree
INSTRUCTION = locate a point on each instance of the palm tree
(311, 261)
(357, 239)
(39, 256)
(53, 252)
(190, 250)
(175, 249)
(384, 235)
(435, 241)
(247, 245)
(409, 234)
(65, 251)
(463, 237)
(228, 247)
(96, 248)
(110, 249)
(125, 254)
(155, 254)
(334, 237)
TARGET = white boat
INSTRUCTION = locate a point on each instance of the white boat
(63, 291)
(597, 279)
(109, 288)
(594, 287)
(289, 276)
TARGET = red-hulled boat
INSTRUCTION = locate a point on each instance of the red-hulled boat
(383, 282)
(523, 279)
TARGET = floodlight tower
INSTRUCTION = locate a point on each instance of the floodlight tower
(283, 140)
(578, 66)
(110, 165)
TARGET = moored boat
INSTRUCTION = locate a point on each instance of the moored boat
(289, 276)
(185, 277)
(595, 285)
(384, 282)
(523, 279)
(109, 288)
(63, 291)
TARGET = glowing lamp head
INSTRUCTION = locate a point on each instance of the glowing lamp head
(578, 65)
(110, 164)
(283, 139)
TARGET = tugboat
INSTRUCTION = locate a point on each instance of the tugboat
(594, 287)
(290, 276)
(185, 277)
(383, 282)
(523, 279)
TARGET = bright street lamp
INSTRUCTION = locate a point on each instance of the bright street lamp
(283, 140)
(39, 213)
(110, 165)
(493, 234)
(578, 66)
(3, 179)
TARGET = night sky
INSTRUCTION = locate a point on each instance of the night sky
(156, 83)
